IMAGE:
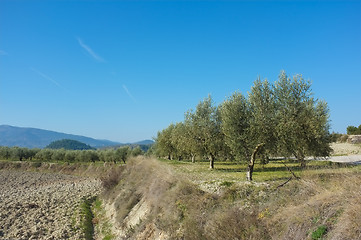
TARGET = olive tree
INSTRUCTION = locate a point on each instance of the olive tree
(206, 130)
(236, 114)
(164, 144)
(179, 140)
(122, 153)
(302, 121)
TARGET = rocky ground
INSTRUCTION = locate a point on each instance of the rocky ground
(38, 205)
(345, 153)
(342, 149)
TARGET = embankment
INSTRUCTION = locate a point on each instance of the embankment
(151, 201)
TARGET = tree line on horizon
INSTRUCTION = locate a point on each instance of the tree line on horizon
(120, 154)
(281, 119)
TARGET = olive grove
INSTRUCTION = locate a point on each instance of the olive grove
(283, 119)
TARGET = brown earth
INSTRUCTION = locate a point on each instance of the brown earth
(38, 205)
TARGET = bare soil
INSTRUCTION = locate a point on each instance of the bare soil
(38, 205)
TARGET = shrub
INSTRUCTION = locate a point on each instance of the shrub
(112, 178)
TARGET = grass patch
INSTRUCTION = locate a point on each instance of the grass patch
(319, 232)
(275, 170)
(102, 227)
(87, 216)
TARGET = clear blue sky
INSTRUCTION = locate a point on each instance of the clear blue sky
(122, 70)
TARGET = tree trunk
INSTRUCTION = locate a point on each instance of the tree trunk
(301, 158)
(303, 162)
(211, 162)
(193, 158)
(252, 161)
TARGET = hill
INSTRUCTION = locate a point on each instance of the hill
(69, 144)
(145, 142)
(38, 138)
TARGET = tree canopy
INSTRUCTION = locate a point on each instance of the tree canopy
(352, 130)
(281, 120)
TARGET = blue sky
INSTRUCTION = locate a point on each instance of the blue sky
(122, 70)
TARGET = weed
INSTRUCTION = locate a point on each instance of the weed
(226, 184)
(102, 227)
(315, 219)
(319, 232)
(87, 218)
(182, 209)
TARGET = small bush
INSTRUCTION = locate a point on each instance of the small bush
(112, 178)
(234, 223)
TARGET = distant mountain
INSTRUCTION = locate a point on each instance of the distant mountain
(144, 145)
(144, 142)
(39, 138)
(69, 144)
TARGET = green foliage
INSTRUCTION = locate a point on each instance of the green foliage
(337, 137)
(136, 151)
(206, 129)
(17, 153)
(319, 232)
(352, 130)
(263, 109)
(122, 153)
(70, 156)
(235, 115)
(69, 144)
(164, 146)
(281, 119)
(302, 121)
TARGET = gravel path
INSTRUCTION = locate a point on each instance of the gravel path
(354, 159)
(346, 153)
(37, 205)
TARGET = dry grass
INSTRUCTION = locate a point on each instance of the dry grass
(111, 178)
(327, 195)
(180, 200)
(303, 206)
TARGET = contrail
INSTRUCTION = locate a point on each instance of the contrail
(90, 51)
(48, 78)
(129, 94)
